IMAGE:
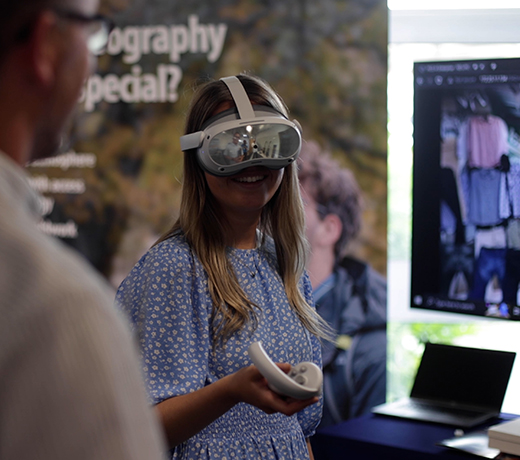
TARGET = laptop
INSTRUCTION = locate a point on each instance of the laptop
(455, 385)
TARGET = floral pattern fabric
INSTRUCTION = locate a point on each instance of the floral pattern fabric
(167, 299)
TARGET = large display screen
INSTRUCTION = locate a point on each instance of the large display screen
(466, 187)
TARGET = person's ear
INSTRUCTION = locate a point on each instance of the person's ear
(331, 228)
(44, 49)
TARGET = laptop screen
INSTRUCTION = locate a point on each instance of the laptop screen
(469, 376)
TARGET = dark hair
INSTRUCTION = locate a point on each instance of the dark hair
(334, 189)
(17, 18)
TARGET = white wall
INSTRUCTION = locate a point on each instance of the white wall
(416, 35)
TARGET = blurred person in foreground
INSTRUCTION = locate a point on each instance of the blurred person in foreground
(70, 383)
(348, 293)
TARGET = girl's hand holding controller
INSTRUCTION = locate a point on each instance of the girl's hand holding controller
(303, 381)
(248, 385)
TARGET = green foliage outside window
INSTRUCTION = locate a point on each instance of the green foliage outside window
(406, 345)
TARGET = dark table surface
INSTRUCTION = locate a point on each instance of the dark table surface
(378, 436)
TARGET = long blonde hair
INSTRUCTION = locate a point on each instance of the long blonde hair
(205, 228)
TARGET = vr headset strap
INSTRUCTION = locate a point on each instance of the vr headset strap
(239, 95)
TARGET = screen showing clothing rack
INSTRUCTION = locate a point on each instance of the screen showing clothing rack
(466, 187)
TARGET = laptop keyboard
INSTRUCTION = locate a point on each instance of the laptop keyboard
(447, 410)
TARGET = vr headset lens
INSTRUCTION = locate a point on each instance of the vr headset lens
(244, 136)
(254, 142)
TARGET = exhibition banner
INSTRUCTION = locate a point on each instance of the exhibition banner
(116, 189)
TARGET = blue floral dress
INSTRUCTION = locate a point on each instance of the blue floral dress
(167, 298)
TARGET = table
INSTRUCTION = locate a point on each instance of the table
(381, 437)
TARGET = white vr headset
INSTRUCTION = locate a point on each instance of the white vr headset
(244, 136)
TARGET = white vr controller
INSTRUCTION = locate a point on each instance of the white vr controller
(302, 382)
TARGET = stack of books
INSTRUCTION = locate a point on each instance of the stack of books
(506, 437)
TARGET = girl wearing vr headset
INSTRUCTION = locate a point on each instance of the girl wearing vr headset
(230, 272)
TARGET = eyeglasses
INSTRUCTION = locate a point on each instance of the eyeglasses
(320, 209)
(99, 28)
